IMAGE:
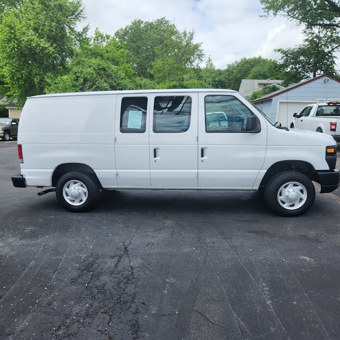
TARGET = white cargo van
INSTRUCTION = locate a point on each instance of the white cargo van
(79, 144)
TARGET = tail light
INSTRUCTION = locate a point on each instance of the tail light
(20, 154)
(332, 126)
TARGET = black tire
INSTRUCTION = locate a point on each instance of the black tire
(319, 130)
(6, 136)
(77, 192)
(292, 126)
(290, 193)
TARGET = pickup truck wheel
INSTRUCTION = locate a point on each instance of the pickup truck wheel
(319, 130)
(77, 192)
(6, 136)
(290, 193)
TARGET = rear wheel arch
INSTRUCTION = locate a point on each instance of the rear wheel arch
(65, 168)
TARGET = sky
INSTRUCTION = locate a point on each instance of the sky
(228, 30)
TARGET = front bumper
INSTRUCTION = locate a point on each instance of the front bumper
(329, 180)
(19, 181)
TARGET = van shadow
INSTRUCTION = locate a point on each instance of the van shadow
(181, 201)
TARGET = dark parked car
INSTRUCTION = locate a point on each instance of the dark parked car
(8, 128)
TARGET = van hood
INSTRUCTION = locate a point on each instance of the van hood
(299, 137)
(317, 136)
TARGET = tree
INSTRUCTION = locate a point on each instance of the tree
(5, 4)
(252, 68)
(100, 63)
(324, 14)
(37, 38)
(314, 57)
(159, 50)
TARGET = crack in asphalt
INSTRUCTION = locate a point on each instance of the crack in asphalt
(106, 298)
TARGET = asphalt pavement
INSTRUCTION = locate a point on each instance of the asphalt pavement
(165, 265)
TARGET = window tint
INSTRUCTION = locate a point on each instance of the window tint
(171, 114)
(328, 110)
(225, 114)
(133, 114)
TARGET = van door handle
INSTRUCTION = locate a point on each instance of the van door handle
(155, 153)
(203, 152)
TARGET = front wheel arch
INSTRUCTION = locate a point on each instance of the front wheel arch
(300, 166)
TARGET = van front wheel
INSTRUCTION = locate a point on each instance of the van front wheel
(290, 193)
(77, 192)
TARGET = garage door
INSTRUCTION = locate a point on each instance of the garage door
(286, 109)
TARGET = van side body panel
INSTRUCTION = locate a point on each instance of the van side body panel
(70, 129)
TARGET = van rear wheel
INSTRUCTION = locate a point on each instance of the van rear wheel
(77, 192)
(290, 193)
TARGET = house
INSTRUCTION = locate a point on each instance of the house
(248, 86)
(13, 110)
(281, 105)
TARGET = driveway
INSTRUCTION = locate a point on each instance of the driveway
(165, 265)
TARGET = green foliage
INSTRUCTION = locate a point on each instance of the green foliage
(312, 13)
(3, 111)
(6, 4)
(314, 57)
(36, 41)
(263, 92)
(252, 68)
(159, 51)
(99, 64)
(322, 27)
(41, 51)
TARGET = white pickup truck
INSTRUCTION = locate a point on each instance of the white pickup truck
(322, 117)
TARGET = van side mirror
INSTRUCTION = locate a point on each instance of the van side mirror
(253, 124)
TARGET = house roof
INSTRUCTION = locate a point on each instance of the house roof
(248, 86)
(292, 87)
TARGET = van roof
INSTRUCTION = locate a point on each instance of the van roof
(130, 92)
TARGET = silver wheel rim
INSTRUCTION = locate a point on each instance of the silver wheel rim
(75, 192)
(292, 195)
